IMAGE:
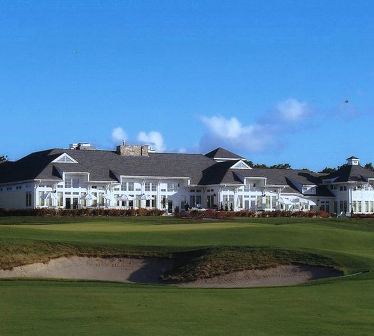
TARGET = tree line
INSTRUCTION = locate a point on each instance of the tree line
(329, 170)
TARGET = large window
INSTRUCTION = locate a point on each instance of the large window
(72, 182)
(130, 186)
(147, 186)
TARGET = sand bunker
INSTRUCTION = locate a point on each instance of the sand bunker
(150, 270)
(105, 269)
(284, 275)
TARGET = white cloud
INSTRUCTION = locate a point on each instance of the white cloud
(266, 132)
(119, 135)
(292, 110)
(231, 133)
(153, 138)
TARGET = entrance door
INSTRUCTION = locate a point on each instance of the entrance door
(75, 203)
(170, 206)
(68, 203)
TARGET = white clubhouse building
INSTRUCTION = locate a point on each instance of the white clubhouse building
(132, 176)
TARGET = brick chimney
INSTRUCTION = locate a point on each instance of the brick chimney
(133, 150)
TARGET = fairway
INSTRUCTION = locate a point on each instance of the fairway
(341, 306)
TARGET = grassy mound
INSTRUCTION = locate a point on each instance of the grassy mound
(208, 263)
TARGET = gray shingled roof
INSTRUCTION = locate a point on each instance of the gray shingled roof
(106, 165)
(221, 153)
(349, 173)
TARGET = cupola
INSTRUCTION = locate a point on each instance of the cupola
(353, 161)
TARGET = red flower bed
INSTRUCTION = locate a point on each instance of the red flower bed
(82, 212)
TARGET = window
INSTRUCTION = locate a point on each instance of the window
(147, 186)
(28, 199)
(101, 200)
(259, 201)
(367, 206)
(123, 186)
(75, 182)
(267, 199)
(359, 206)
(68, 183)
(172, 187)
(274, 202)
(240, 201)
(154, 186)
(83, 200)
(130, 186)
(41, 198)
(94, 201)
(60, 199)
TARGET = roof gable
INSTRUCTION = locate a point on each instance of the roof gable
(223, 154)
(240, 165)
(64, 158)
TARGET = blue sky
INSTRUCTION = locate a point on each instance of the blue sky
(267, 79)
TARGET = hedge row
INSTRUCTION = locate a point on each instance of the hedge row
(363, 216)
(247, 213)
(82, 212)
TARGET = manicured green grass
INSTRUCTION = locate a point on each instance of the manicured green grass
(330, 307)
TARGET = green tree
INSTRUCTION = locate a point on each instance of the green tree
(369, 166)
(281, 166)
(328, 170)
(3, 158)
